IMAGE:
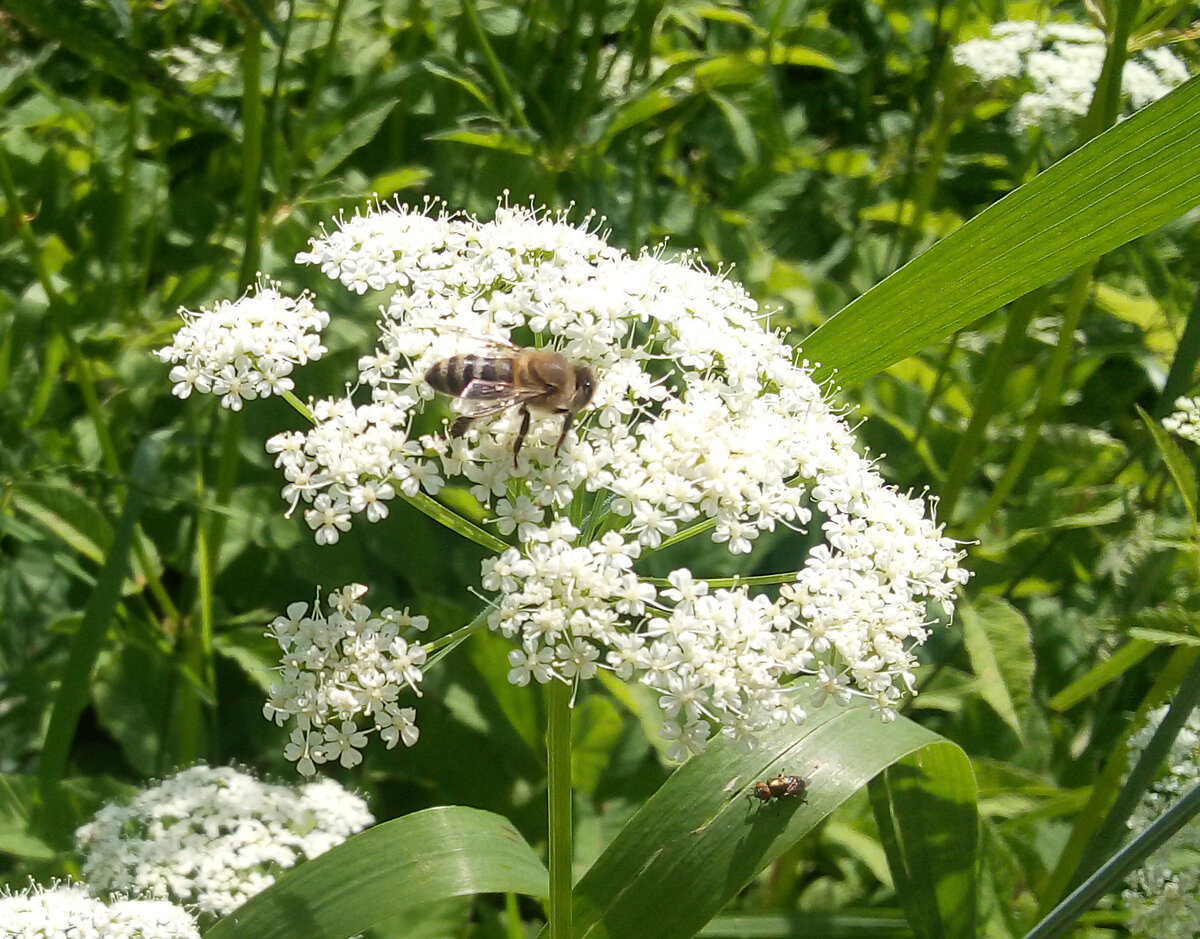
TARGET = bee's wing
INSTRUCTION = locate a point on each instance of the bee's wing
(498, 343)
(483, 398)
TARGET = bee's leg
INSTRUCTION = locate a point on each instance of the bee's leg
(566, 426)
(521, 434)
(459, 427)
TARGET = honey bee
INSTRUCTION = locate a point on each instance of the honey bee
(513, 376)
(780, 787)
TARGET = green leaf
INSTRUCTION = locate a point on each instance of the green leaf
(72, 694)
(925, 806)
(68, 515)
(18, 802)
(1126, 182)
(466, 78)
(1162, 637)
(491, 140)
(354, 133)
(1101, 674)
(1177, 463)
(792, 924)
(999, 645)
(702, 837)
(401, 865)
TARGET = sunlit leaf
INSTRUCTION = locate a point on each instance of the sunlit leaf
(377, 875)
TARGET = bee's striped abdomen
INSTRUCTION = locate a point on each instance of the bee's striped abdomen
(450, 376)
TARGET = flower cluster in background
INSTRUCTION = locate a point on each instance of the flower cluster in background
(1061, 63)
(1185, 420)
(701, 419)
(69, 910)
(1163, 896)
(212, 837)
(245, 349)
(338, 667)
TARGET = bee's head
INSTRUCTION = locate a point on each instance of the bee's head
(585, 387)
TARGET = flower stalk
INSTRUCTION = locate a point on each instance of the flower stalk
(558, 765)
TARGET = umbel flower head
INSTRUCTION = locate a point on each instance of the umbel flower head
(212, 837)
(69, 910)
(1061, 63)
(335, 667)
(701, 422)
(1163, 896)
(1184, 421)
(245, 349)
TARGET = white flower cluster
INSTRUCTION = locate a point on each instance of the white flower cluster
(245, 349)
(68, 911)
(1061, 63)
(1185, 421)
(1163, 896)
(212, 837)
(339, 666)
(700, 419)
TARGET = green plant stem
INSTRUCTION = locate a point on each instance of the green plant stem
(1183, 366)
(302, 408)
(558, 765)
(317, 86)
(1047, 401)
(438, 648)
(987, 400)
(1064, 916)
(946, 94)
(1104, 789)
(1110, 833)
(252, 150)
(494, 65)
(758, 580)
(1101, 115)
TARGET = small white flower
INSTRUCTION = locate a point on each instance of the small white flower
(245, 349)
(1163, 896)
(207, 836)
(339, 666)
(1185, 420)
(67, 910)
(1059, 64)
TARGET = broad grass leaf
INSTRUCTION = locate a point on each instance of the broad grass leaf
(378, 875)
(926, 806)
(1124, 183)
(702, 837)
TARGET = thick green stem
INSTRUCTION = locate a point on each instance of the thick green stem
(558, 763)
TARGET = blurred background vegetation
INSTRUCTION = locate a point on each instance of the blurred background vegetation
(159, 155)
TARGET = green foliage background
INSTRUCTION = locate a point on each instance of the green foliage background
(159, 155)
